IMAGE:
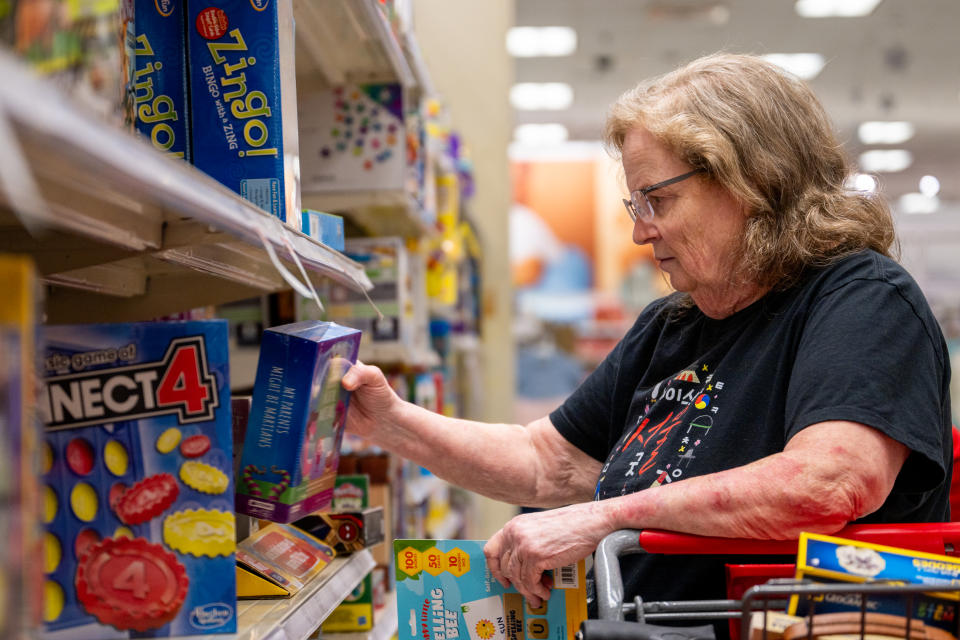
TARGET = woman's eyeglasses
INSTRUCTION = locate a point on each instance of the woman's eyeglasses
(638, 206)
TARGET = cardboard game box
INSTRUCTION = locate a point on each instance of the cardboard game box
(292, 443)
(138, 493)
(21, 576)
(444, 590)
(243, 100)
(160, 78)
(828, 559)
(346, 531)
(391, 267)
(361, 134)
(278, 560)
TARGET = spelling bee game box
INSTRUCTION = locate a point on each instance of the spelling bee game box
(292, 443)
(138, 494)
(444, 591)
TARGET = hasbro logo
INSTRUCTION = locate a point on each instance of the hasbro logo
(211, 616)
(259, 5)
(165, 7)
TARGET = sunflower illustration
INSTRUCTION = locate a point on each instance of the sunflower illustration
(485, 629)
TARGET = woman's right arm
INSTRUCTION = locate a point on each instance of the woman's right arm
(532, 465)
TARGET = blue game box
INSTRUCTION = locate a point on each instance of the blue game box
(288, 466)
(243, 100)
(160, 82)
(138, 494)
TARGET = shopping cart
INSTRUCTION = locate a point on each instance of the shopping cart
(768, 591)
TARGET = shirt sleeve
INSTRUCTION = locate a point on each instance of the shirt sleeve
(868, 354)
(585, 417)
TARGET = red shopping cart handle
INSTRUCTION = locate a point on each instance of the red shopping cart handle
(931, 537)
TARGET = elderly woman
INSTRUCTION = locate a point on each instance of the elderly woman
(796, 381)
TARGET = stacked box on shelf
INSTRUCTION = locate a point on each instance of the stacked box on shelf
(243, 100)
(324, 227)
(392, 269)
(138, 493)
(363, 138)
(292, 441)
(21, 576)
(160, 81)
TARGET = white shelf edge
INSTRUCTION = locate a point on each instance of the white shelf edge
(390, 44)
(31, 103)
(298, 617)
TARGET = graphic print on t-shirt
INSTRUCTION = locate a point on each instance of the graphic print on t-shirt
(669, 423)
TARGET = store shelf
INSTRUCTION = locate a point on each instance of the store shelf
(348, 41)
(123, 231)
(380, 212)
(383, 629)
(298, 617)
(394, 354)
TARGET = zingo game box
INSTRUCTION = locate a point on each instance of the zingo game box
(292, 443)
(243, 100)
(137, 468)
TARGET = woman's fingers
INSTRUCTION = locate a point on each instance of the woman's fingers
(492, 551)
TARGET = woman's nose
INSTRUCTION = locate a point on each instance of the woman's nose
(644, 231)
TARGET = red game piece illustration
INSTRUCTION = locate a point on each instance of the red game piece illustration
(116, 492)
(147, 499)
(84, 540)
(131, 584)
(80, 456)
(195, 446)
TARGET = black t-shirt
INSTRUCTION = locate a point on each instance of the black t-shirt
(684, 395)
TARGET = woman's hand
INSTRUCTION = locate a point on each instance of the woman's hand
(534, 543)
(372, 403)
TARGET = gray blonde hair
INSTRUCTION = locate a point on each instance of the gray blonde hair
(765, 137)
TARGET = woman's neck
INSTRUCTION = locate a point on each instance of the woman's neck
(719, 304)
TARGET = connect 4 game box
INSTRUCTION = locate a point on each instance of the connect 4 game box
(445, 592)
(292, 443)
(138, 495)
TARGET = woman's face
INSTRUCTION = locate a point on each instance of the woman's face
(696, 227)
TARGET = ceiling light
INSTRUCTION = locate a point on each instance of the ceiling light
(918, 203)
(862, 182)
(531, 42)
(878, 132)
(533, 96)
(835, 8)
(803, 65)
(929, 186)
(885, 160)
(540, 134)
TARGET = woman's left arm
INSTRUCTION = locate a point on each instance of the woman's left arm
(829, 474)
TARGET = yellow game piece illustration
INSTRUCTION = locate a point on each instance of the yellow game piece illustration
(169, 440)
(47, 457)
(83, 501)
(200, 532)
(116, 458)
(52, 601)
(50, 504)
(203, 477)
(123, 532)
(52, 553)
